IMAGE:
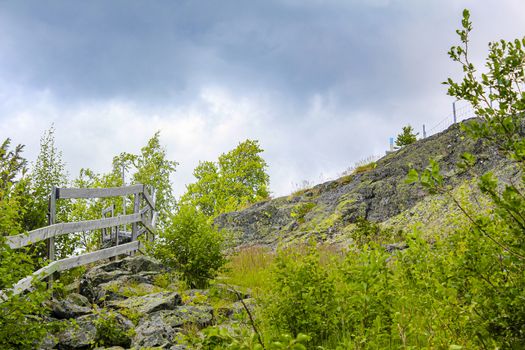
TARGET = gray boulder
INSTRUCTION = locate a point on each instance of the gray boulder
(131, 270)
(149, 303)
(88, 330)
(126, 287)
(154, 333)
(90, 282)
(391, 248)
(161, 328)
(66, 309)
(141, 263)
(78, 299)
(81, 334)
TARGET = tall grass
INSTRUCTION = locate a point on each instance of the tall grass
(249, 268)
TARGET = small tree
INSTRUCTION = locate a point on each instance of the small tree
(192, 246)
(14, 265)
(238, 178)
(47, 171)
(406, 137)
(498, 99)
(151, 167)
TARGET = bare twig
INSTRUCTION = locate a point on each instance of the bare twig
(252, 321)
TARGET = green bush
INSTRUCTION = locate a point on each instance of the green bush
(364, 297)
(302, 296)
(300, 210)
(237, 338)
(111, 329)
(192, 246)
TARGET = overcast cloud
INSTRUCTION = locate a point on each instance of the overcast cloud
(321, 84)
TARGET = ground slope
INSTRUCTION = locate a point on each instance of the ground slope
(329, 211)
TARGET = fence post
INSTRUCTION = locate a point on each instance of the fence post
(136, 209)
(454, 111)
(123, 201)
(50, 242)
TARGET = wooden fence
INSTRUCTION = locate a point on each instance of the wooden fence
(145, 216)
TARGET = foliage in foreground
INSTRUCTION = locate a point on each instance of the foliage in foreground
(430, 295)
(303, 297)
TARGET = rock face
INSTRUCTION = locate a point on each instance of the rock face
(73, 306)
(122, 305)
(149, 303)
(79, 336)
(329, 210)
(162, 327)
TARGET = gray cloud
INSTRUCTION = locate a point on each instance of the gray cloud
(166, 49)
(321, 83)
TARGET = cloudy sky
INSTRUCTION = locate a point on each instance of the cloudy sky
(321, 84)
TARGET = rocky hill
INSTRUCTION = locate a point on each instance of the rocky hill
(378, 194)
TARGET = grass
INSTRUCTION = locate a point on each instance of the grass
(365, 168)
(346, 179)
(249, 268)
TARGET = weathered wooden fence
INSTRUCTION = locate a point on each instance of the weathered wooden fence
(145, 216)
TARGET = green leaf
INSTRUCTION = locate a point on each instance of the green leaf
(412, 176)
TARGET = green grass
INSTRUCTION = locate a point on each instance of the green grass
(249, 268)
(365, 168)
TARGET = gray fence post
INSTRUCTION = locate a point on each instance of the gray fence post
(454, 111)
(136, 209)
(50, 242)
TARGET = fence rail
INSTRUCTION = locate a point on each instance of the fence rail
(85, 193)
(69, 263)
(146, 217)
(55, 230)
(459, 114)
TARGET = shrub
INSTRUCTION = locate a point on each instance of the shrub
(192, 246)
(364, 297)
(237, 338)
(302, 296)
(21, 316)
(112, 329)
(300, 210)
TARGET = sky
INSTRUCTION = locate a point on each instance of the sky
(321, 84)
